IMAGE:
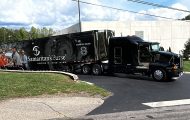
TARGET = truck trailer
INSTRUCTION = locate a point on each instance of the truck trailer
(99, 52)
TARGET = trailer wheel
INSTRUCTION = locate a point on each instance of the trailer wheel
(159, 74)
(85, 69)
(96, 69)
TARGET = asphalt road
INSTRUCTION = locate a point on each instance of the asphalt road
(129, 92)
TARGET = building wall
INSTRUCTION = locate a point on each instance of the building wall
(72, 29)
(169, 33)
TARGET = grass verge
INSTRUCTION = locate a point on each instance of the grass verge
(32, 84)
(186, 66)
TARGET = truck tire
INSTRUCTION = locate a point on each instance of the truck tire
(96, 69)
(86, 69)
(159, 74)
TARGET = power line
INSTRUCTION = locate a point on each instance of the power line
(158, 5)
(105, 6)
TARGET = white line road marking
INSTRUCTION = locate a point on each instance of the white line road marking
(168, 103)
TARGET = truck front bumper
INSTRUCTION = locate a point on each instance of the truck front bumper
(177, 77)
(174, 74)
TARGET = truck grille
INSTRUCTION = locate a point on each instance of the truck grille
(179, 61)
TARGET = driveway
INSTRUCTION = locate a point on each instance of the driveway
(129, 92)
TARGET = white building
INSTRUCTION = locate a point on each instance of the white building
(172, 34)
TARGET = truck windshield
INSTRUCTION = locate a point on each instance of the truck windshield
(155, 47)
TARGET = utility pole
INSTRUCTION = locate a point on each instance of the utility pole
(79, 16)
(4, 35)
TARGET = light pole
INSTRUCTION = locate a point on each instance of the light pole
(4, 35)
(79, 16)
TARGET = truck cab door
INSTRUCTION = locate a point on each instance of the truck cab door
(145, 56)
(117, 55)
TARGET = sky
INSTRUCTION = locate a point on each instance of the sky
(60, 14)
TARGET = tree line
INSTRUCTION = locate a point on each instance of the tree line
(13, 35)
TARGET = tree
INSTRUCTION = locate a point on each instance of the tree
(33, 33)
(4, 34)
(44, 32)
(13, 35)
(16, 36)
(186, 51)
(24, 35)
(51, 32)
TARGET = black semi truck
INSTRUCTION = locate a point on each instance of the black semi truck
(97, 52)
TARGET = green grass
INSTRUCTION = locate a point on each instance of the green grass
(32, 84)
(186, 66)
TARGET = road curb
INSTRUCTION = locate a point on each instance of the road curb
(72, 76)
(187, 72)
(89, 83)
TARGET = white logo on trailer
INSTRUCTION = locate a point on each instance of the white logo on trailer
(83, 51)
(36, 50)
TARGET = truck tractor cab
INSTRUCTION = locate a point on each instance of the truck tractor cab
(131, 54)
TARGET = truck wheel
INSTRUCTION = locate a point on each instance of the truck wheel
(85, 69)
(159, 74)
(96, 69)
